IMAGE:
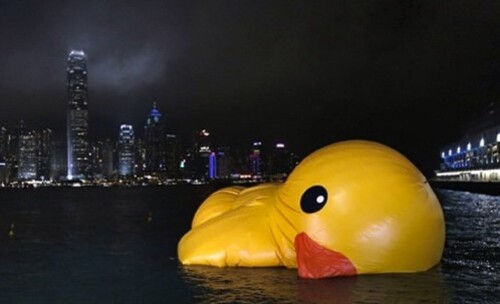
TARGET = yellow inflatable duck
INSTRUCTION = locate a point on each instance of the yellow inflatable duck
(353, 207)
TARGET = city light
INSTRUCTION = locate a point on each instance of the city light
(155, 159)
(204, 133)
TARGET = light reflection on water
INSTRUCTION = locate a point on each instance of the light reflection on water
(97, 246)
(471, 259)
(279, 285)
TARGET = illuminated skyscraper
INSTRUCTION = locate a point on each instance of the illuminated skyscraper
(28, 158)
(256, 159)
(77, 116)
(126, 151)
(202, 166)
(154, 142)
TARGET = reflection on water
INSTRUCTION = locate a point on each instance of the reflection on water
(280, 285)
(118, 245)
(471, 260)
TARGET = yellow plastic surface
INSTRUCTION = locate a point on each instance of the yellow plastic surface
(379, 212)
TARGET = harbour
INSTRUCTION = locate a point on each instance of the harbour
(118, 244)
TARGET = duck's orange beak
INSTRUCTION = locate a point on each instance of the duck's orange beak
(315, 261)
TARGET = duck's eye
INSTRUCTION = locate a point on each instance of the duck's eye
(313, 199)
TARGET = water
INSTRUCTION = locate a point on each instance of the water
(118, 245)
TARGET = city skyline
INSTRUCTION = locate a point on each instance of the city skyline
(77, 136)
(310, 73)
(30, 156)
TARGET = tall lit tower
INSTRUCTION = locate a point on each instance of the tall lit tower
(154, 140)
(28, 155)
(126, 151)
(77, 116)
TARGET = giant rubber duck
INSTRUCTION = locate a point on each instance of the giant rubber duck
(350, 208)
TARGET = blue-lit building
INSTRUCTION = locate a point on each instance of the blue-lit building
(126, 151)
(475, 156)
(154, 142)
(77, 116)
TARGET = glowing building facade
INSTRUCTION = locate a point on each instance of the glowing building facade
(476, 156)
(77, 116)
(28, 158)
(256, 159)
(126, 151)
(154, 142)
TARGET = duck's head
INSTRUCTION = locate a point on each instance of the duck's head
(362, 207)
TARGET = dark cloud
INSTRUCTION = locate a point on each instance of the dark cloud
(307, 72)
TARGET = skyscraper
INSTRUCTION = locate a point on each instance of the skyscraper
(154, 142)
(106, 158)
(45, 147)
(28, 155)
(172, 156)
(126, 151)
(77, 116)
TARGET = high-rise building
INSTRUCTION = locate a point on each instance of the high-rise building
(13, 149)
(77, 116)
(201, 162)
(281, 161)
(4, 157)
(224, 165)
(255, 159)
(126, 151)
(4, 143)
(28, 156)
(58, 158)
(154, 142)
(45, 147)
(172, 156)
(140, 157)
(105, 158)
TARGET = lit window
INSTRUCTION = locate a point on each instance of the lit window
(458, 149)
(468, 146)
(481, 142)
(449, 152)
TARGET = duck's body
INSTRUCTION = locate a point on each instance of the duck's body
(350, 208)
(236, 238)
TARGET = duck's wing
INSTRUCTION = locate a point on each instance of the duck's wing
(239, 237)
(216, 204)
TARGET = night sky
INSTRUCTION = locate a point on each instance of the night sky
(408, 74)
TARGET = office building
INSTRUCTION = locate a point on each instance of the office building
(77, 116)
(126, 151)
(154, 142)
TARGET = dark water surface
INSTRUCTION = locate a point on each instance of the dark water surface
(96, 245)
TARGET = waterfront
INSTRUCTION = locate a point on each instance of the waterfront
(118, 245)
